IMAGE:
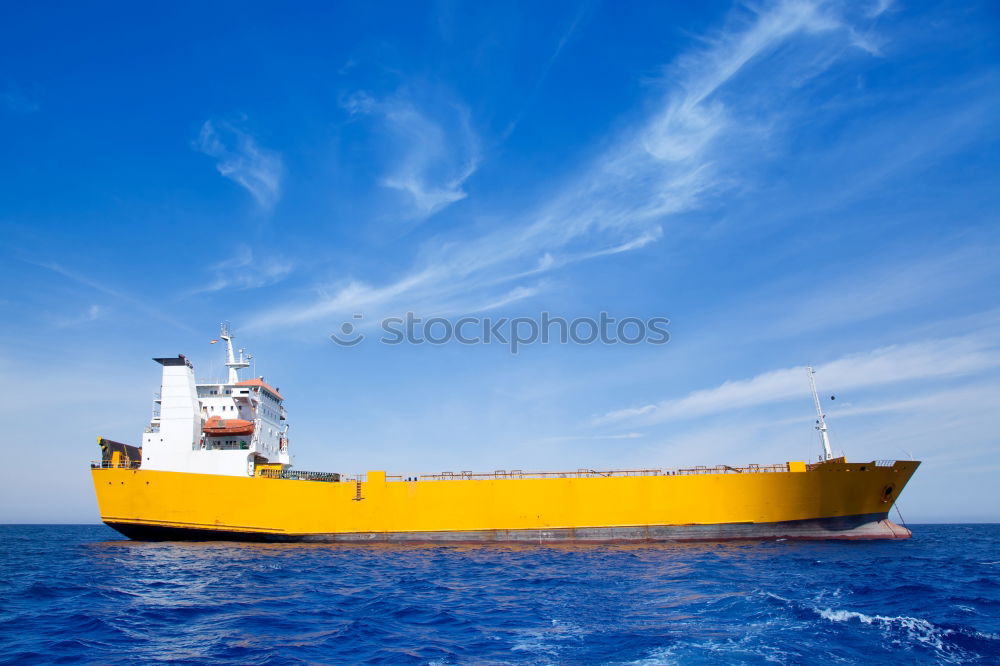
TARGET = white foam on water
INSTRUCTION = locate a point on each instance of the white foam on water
(729, 650)
(548, 641)
(916, 628)
(656, 657)
(775, 596)
(750, 642)
(827, 593)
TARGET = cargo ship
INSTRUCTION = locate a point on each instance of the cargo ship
(213, 464)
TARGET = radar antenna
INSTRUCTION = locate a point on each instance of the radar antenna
(820, 416)
(232, 362)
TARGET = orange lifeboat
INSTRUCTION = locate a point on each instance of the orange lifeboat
(217, 426)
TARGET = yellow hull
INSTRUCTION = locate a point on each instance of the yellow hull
(835, 499)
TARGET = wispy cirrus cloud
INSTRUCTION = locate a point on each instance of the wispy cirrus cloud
(131, 302)
(244, 270)
(885, 289)
(573, 438)
(950, 357)
(430, 156)
(242, 160)
(92, 313)
(692, 145)
(581, 17)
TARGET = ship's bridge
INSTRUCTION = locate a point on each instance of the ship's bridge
(215, 426)
(239, 415)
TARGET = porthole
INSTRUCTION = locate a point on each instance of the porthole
(888, 492)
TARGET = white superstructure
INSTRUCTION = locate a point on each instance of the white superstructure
(215, 427)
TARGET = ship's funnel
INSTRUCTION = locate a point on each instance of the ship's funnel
(180, 421)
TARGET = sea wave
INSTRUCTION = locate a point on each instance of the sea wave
(951, 643)
(76, 593)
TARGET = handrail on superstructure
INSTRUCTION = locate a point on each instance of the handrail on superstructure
(302, 475)
(123, 463)
(298, 475)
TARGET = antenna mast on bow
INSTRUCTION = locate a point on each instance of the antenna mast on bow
(820, 416)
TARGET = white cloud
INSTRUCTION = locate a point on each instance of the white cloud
(886, 289)
(430, 156)
(245, 271)
(241, 159)
(131, 302)
(947, 400)
(572, 438)
(92, 313)
(358, 102)
(920, 360)
(878, 7)
(583, 14)
(514, 295)
(668, 163)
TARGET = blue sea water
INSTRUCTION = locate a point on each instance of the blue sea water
(82, 594)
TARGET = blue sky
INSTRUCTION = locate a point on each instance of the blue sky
(789, 183)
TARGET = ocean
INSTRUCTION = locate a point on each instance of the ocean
(82, 594)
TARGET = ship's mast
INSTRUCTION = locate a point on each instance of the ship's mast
(820, 416)
(232, 362)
